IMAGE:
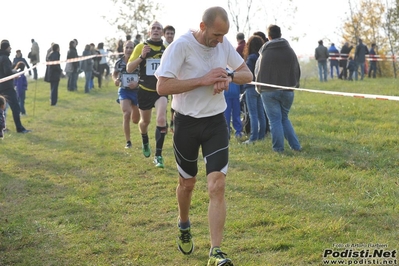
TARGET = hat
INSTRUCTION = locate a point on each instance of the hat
(4, 44)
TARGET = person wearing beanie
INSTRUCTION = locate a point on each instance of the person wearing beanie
(7, 87)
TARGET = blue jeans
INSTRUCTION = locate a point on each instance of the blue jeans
(334, 64)
(257, 114)
(88, 75)
(361, 65)
(21, 101)
(232, 113)
(322, 70)
(277, 104)
(373, 68)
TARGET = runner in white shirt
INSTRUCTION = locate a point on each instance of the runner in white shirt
(193, 69)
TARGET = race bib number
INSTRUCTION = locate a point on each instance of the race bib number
(151, 65)
(127, 78)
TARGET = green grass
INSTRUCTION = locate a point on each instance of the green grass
(70, 194)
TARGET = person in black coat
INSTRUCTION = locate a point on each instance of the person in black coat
(53, 73)
(345, 50)
(73, 74)
(7, 87)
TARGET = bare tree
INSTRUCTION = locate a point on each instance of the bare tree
(249, 14)
(237, 18)
(391, 28)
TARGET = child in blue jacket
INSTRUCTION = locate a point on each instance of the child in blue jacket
(21, 85)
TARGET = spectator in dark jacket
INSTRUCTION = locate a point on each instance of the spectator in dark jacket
(73, 74)
(373, 61)
(278, 65)
(345, 50)
(321, 55)
(360, 58)
(7, 87)
(53, 73)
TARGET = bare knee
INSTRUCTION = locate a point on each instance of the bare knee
(216, 184)
(187, 184)
(126, 115)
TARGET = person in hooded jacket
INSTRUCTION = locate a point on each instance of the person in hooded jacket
(278, 65)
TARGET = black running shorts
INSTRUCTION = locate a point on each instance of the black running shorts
(209, 133)
(147, 99)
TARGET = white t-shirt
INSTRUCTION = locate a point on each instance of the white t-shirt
(104, 57)
(185, 58)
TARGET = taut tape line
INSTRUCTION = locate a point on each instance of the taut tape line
(356, 95)
(76, 59)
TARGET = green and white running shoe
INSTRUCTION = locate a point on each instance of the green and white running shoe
(158, 161)
(217, 258)
(184, 241)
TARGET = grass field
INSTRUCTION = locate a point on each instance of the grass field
(70, 194)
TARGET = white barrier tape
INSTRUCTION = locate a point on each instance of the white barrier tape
(77, 59)
(16, 74)
(369, 57)
(356, 95)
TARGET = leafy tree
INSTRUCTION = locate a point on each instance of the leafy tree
(132, 17)
(366, 22)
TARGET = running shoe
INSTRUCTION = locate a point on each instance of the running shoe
(146, 150)
(128, 145)
(158, 161)
(184, 242)
(217, 258)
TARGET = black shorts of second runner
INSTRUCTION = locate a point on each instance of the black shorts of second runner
(147, 99)
(209, 133)
(128, 94)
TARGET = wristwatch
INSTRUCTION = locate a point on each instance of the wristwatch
(230, 74)
(142, 58)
